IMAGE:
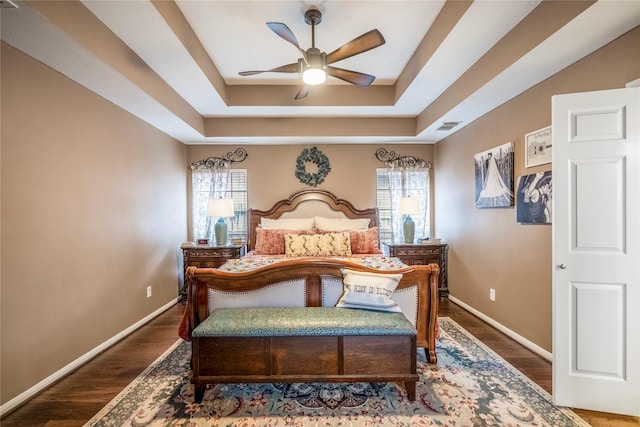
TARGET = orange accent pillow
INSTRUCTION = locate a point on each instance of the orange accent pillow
(365, 241)
(271, 241)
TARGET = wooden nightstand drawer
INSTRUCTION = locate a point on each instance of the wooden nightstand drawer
(418, 251)
(419, 254)
(214, 253)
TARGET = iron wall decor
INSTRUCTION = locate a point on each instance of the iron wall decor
(391, 159)
(317, 157)
(236, 156)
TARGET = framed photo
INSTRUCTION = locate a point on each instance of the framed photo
(535, 193)
(203, 242)
(537, 147)
(494, 177)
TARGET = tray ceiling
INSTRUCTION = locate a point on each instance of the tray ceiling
(175, 63)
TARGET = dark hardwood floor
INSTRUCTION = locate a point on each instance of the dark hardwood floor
(75, 399)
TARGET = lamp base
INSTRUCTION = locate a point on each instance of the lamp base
(221, 232)
(409, 228)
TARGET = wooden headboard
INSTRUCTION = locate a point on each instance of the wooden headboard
(308, 203)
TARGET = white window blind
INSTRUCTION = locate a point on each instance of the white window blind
(235, 188)
(406, 183)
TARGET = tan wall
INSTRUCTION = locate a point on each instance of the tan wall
(488, 248)
(271, 169)
(93, 211)
(94, 207)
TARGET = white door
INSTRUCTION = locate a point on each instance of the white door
(596, 250)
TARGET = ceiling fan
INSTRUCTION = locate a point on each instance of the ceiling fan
(315, 64)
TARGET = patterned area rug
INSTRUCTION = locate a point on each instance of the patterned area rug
(470, 386)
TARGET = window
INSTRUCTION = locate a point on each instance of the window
(391, 184)
(234, 187)
(238, 192)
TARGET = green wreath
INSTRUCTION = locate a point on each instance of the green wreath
(317, 157)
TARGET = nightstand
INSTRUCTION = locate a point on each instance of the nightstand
(208, 257)
(422, 254)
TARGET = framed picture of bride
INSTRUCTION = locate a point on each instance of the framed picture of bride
(494, 177)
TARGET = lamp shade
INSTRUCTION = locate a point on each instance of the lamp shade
(409, 206)
(222, 208)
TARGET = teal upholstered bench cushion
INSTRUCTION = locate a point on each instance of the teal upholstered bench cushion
(301, 321)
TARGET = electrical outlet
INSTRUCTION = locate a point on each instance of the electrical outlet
(492, 294)
(148, 291)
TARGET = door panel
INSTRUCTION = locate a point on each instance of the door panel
(599, 317)
(597, 228)
(596, 241)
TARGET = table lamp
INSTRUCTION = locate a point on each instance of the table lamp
(222, 208)
(409, 206)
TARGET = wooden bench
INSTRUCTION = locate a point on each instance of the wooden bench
(303, 344)
(210, 288)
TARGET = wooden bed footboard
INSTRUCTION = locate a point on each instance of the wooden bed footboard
(312, 272)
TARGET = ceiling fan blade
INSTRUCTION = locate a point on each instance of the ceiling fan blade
(358, 45)
(353, 77)
(303, 92)
(283, 31)
(289, 68)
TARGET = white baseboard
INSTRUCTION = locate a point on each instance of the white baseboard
(520, 339)
(28, 394)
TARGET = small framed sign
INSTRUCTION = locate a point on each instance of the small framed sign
(537, 146)
(202, 242)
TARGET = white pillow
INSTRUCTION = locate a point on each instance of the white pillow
(341, 224)
(288, 223)
(369, 291)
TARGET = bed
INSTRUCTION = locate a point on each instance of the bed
(278, 242)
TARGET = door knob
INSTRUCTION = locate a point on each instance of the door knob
(563, 266)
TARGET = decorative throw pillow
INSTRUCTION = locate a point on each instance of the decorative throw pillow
(369, 291)
(271, 242)
(288, 223)
(365, 241)
(328, 244)
(341, 224)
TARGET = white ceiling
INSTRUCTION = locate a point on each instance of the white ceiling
(175, 64)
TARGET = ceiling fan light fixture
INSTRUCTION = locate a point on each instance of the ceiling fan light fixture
(314, 76)
(314, 73)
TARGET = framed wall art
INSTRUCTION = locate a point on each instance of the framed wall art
(535, 194)
(494, 177)
(537, 147)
